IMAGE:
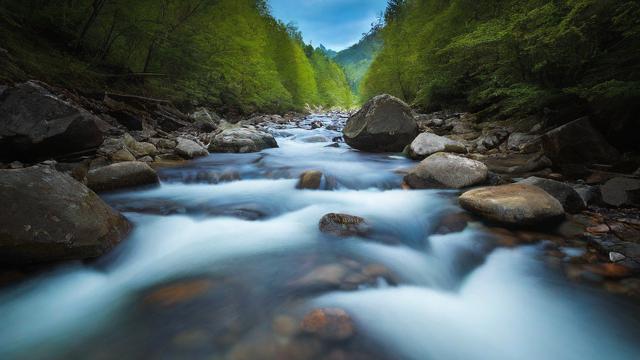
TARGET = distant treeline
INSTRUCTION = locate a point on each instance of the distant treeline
(513, 58)
(226, 53)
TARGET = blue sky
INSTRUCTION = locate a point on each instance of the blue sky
(337, 24)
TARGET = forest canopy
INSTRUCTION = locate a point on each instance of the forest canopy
(512, 58)
(229, 54)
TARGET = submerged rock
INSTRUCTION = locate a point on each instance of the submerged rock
(242, 140)
(427, 144)
(34, 123)
(48, 216)
(190, 149)
(568, 197)
(331, 324)
(444, 170)
(384, 124)
(513, 204)
(343, 225)
(122, 175)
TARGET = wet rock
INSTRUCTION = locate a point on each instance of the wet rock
(310, 180)
(568, 197)
(513, 204)
(343, 225)
(330, 324)
(190, 149)
(242, 140)
(515, 164)
(452, 223)
(621, 191)
(205, 120)
(588, 194)
(122, 175)
(427, 144)
(48, 216)
(444, 170)
(578, 142)
(36, 124)
(285, 325)
(384, 124)
(315, 139)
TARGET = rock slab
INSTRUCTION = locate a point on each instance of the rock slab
(513, 204)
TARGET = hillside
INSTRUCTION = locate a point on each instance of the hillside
(231, 55)
(357, 59)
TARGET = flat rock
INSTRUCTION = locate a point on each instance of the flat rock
(621, 191)
(427, 144)
(122, 175)
(513, 204)
(384, 124)
(242, 140)
(444, 170)
(48, 216)
(190, 149)
(568, 197)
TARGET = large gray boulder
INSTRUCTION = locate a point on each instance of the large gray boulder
(122, 175)
(205, 120)
(578, 142)
(242, 140)
(384, 124)
(48, 216)
(513, 204)
(190, 149)
(35, 124)
(427, 144)
(566, 194)
(444, 170)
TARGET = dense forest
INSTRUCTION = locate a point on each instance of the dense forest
(513, 58)
(228, 54)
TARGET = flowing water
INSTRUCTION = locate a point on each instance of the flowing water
(218, 268)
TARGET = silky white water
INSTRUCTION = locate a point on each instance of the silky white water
(456, 297)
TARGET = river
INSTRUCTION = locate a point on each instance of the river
(221, 263)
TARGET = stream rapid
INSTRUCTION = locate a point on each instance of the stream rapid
(218, 267)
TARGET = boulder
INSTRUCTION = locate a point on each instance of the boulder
(48, 216)
(523, 142)
(427, 144)
(331, 324)
(444, 170)
(384, 124)
(190, 149)
(343, 225)
(578, 142)
(139, 149)
(621, 191)
(242, 140)
(122, 175)
(568, 197)
(513, 204)
(310, 180)
(36, 124)
(205, 120)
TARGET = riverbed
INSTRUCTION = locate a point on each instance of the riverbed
(226, 259)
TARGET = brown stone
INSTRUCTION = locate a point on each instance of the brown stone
(343, 225)
(329, 324)
(310, 180)
(179, 293)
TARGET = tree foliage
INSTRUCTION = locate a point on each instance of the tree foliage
(227, 53)
(509, 58)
